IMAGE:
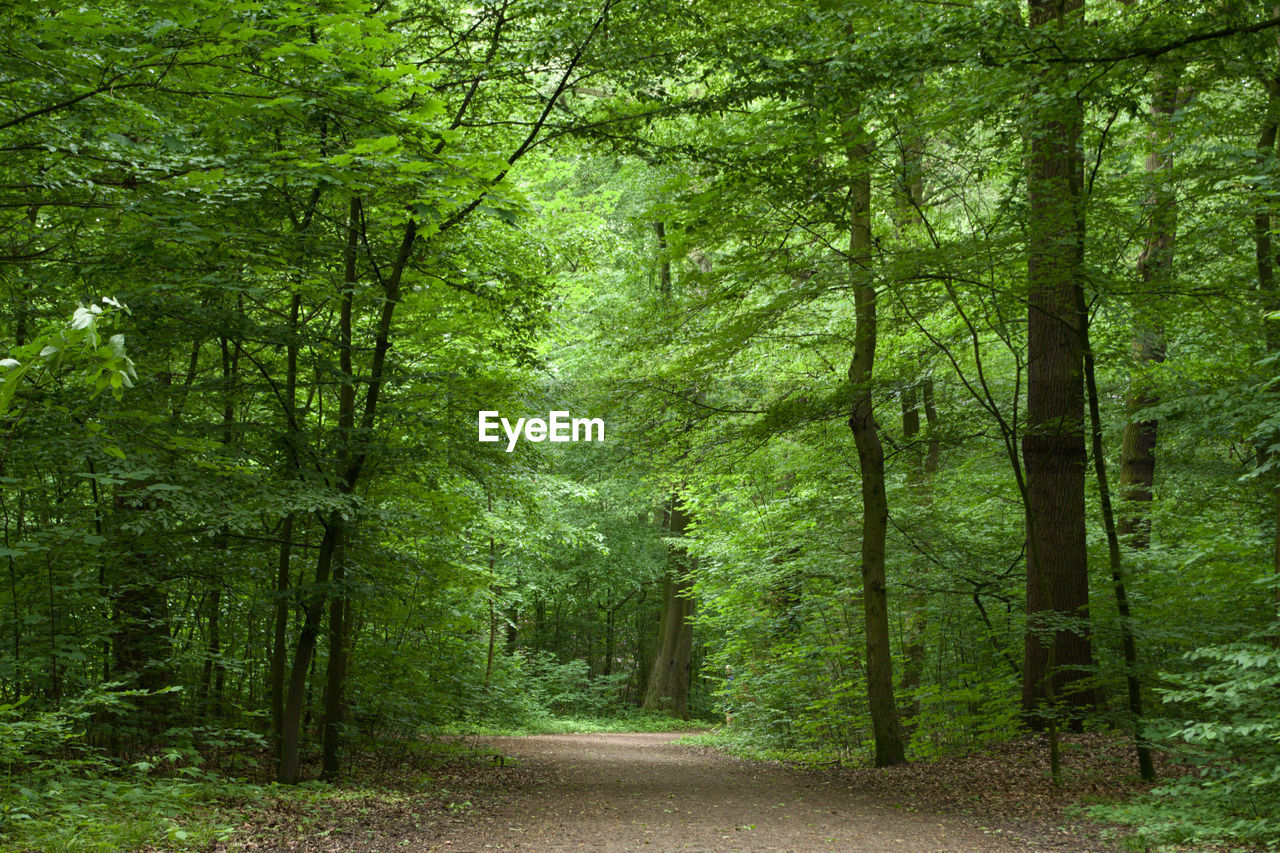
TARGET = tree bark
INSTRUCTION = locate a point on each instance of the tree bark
(915, 629)
(1264, 225)
(336, 666)
(668, 686)
(1155, 273)
(890, 740)
(336, 669)
(1053, 446)
(141, 644)
(1146, 768)
(279, 636)
(214, 667)
(352, 460)
(664, 262)
(289, 770)
(293, 443)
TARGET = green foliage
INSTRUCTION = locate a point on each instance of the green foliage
(58, 793)
(974, 714)
(549, 724)
(75, 350)
(1225, 729)
(568, 689)
(341, 230)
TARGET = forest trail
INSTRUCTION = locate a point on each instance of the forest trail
(616, 792)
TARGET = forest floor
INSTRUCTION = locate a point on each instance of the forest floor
(622, 792)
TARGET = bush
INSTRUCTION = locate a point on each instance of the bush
(1231, 736)
(59, 794)
(568, 688)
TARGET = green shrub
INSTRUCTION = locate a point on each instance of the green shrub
(59, 794)
(1230, 734)
(568, 688)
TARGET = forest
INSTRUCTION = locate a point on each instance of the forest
(934, 347)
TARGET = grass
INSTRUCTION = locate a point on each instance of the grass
(740, 744)
(189, 808)
(107, 815)
(637, 721)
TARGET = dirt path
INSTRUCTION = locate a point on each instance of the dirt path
(618, 792)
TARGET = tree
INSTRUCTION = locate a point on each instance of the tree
(1053, 445)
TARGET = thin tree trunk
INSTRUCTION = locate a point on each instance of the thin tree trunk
(1130, 646)
(213, 651)
(667, 688)
(933, 443)
(214, 666)
(664, 265)
(913, 640)
(336, 669)
(889, 737)
(921, 465)
(493, 614)
(289, 770)
(294, 443)
(279, 636)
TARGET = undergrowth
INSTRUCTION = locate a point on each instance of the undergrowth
(635, 721)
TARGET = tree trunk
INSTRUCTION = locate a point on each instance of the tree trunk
(289, 770)
(1053, 446)
(141, 642)
(669, 678)
(890, 741)
(1264, 223)
(293, 443)
(914, 631)
(210, 702)
(922, 463)
(279, 638)
(214, 666)
(1155, 271)
(336, 669)
(1129, 643)
(664, 262)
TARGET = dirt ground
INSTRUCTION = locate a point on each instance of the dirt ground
(619, 792)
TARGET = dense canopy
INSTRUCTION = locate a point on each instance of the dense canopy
(934, 350)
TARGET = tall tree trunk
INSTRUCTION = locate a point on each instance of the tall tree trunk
(289, 769)
(293, 443)
(141, 644)
(1264, 226)
(1127, 639)
(922, 463)
(1155, 271)
(914, 631)
(494, 591)
(1053, 447)
(209, 704)
(336, 668)
(668, 686)
(279, 634)
(214, 666)
(351, 462)
(933, 443)
(889, 737)
(664, 262)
